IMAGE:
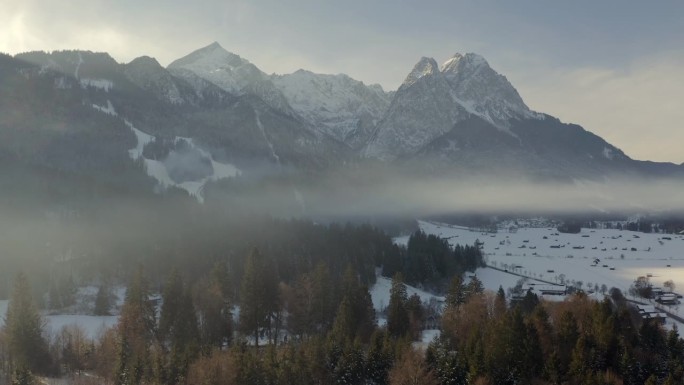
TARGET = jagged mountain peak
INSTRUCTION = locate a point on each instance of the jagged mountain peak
(426, 66)
(459, 62)
(211, 58)
(338, 105)
(483, 91)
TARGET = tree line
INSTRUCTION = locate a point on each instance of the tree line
(306, 322)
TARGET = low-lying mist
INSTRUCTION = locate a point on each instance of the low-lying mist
(116, 231)
(374, 193)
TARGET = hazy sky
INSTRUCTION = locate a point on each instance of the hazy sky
(615, 67)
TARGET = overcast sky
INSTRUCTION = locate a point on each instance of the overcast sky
(615, 67)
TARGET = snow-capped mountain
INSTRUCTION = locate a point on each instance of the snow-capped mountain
(422, 110)
(334, 105)
(231, 73)
(483, 91)
(340, 106)
(190, 89)
(80, 113)
(432, 100)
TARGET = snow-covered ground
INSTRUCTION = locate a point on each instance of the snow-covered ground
(426, 337)
(614, 258)
(85, 299)
(546, 254)
(92, 325)
(380, 294)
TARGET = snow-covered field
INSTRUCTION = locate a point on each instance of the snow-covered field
(92, 325)
(614, 258)
(85, 297)
(546, 254)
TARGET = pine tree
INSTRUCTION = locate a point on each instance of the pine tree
(215, 321)
(258, 295)
(355, 316)
(137, 329)
(171, 304)
(414, 308)
(324, 298)
(102, 304)
(397, 315)
(344, 327)
(380, 357)
(220, 276)
(24, 330)
(474, 287)
(178, 328)
(567, 338)
(350, 367)
(456, 294)
(299, 307)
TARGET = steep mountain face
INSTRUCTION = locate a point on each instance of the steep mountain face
(340, 106)
(465, 118)
(483, 91)
(422, 110)
(539, 148)
(149, 75)
(432, 100)
(213, 115)
(332, 105)
(50, 131)
(176, 131)
(231, 73)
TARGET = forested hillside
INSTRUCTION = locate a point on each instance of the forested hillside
(288, 302)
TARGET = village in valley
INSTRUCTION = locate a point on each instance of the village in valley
(532, 255)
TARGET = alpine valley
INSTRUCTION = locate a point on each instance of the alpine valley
(77, 123)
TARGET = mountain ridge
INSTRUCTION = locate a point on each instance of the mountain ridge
(460, 117)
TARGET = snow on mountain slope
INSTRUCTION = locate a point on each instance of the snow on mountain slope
(432, 100)
(176, 169)
(231, 73)
(340, 106)
(483, 91)
(422, 110)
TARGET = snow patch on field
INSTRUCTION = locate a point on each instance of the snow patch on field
(491, 278)
(93, 326)
(380, 294)
(426, 337)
